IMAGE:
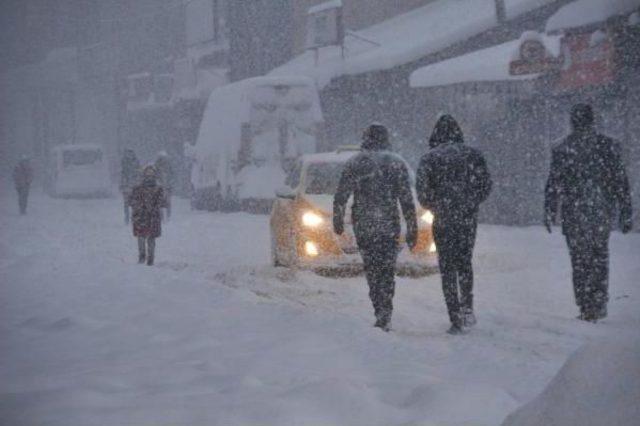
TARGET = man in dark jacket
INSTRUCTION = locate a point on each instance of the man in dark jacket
(378, 180)
(146, 200)
(22, 178)
(129, 177)
(452, 180)
(587, 180)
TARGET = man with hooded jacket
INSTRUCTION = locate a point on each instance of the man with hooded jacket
(452, 181)
(378, 180)
(587, 180)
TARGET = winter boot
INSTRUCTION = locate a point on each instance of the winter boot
(468, 318)
(150, 260)
(141, 258)
(457, 324)
(383, 322)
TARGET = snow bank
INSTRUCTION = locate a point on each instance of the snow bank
(491, 64)
(599, 385)
(585, 12)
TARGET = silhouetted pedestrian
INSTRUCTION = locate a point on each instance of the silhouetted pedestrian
(452, 180)
(587, 180)
(22, 178)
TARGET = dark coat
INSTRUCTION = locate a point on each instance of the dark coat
(452, 178)
(22, 175)
(378, 180)
(129, 172)
(587, 180)
(146, 200)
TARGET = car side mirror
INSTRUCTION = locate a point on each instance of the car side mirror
(286, 193)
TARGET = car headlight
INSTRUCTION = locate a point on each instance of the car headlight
(427, 217)
(311, 249)
(312, 220)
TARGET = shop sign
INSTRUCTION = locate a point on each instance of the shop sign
(533, 58)
(588, 60)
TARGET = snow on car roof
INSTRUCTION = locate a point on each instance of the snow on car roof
(584, 12)
(229, 106)
(329, 157)
(490, 64)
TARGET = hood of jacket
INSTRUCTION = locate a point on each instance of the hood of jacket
(446, 130)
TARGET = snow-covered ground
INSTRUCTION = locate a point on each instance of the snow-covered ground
(212, 335)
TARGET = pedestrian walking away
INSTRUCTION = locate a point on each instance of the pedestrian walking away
(22, 178)
(146, 200)
(129, 178)
(379, 181)
(588, 184)
(166, 178)
(452, 181)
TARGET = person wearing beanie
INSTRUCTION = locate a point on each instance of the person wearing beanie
(588, 184)
(378, 180)
(146, 200)
(452, 181)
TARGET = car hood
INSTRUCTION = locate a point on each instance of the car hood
(324, 204)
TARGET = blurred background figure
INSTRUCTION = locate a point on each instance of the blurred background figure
(22, 178)
(166, 177)
(129, 178)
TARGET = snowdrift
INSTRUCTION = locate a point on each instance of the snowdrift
(598, 385)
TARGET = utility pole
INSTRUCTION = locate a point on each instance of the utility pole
(501, 11)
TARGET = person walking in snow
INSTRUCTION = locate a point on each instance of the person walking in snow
(378, 180)
(452, 181)
(146, 200)
(22, 178)
(129, 177)
(166, 177)
(587, 180)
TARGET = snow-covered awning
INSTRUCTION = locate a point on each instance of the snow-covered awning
(585, 12)
(486, 65)
(404, 38)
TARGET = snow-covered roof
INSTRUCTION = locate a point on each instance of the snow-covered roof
(584, 12)
(332, 4)
(490, 64)
(404, 38)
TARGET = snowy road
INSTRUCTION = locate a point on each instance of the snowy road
(212, 335)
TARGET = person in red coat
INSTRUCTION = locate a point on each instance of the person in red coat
(146, 200)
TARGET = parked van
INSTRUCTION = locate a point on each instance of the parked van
(251, 135)
(79, 171)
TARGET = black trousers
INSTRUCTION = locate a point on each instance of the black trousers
(23, 197)
(127, 208)
(146, 248)
(590, 264)
(455, 242)
(379, 256)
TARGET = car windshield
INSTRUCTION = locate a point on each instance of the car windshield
(81, 157)
(323, 178)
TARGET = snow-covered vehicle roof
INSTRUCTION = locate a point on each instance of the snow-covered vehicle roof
(340, 156)
(404, 38)
(229, 106)
(585, 12)
(490, 64)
